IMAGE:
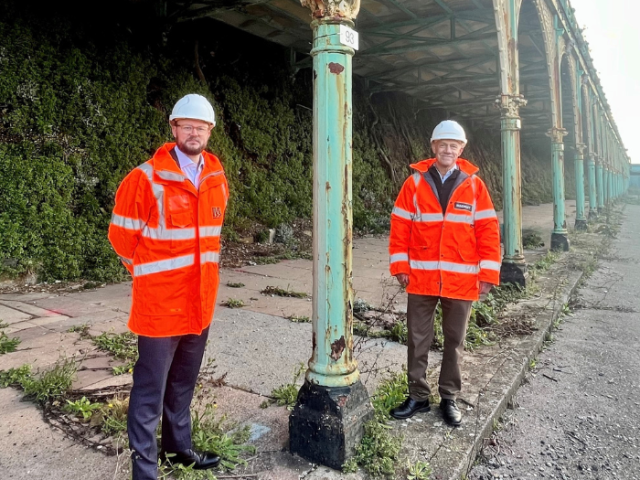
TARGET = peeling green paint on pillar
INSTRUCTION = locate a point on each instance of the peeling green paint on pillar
(327, 422)
(559, 236)
(593, 197)
(581, 219)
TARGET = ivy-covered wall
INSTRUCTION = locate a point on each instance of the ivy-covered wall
(83, 100)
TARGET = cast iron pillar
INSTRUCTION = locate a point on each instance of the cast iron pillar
(581, 219)
(327, 422)
(514, 267)
(605, 186)
(560, 235)
(593, 198)
(600, 191)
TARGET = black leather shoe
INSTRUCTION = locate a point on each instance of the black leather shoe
(451, 412)
(409, 408)
(200, 461)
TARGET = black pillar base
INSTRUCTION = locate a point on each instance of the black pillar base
(514, 273)
(559, 242)
(581, 225)
(593, 215)
(327, 423)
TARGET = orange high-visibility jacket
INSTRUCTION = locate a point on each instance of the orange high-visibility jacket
(445, 255)
(167, 234)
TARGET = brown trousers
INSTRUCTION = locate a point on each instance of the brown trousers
(455, 317)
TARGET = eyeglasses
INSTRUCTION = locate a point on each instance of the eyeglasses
(191, 129)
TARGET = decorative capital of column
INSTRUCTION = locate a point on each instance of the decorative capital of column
(333, 9)
(509, 105)
(580, 149)
(557, 134)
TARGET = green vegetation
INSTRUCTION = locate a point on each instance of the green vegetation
(390, 393)
(378, 451)
(86, 97)
(123, 346)
(235, 285)
(233, 303)
(45, 386)
(7, 344)
(281, 292)
(299, 319)
(82, 408)
(112, 416)
(83, 330)
(419, 471)
(15, 377)
(287, 394)
(218, 435)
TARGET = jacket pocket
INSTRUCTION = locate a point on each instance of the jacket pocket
(181, 220)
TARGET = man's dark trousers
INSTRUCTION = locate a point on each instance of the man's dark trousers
(164, 379)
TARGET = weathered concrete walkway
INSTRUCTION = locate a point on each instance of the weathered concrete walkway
(259, 349)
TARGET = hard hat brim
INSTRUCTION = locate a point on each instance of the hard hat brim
(178, 117)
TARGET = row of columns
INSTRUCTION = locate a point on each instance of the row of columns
(332, 406)
(607, 172)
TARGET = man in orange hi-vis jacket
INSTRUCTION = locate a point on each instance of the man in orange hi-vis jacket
(165, 228)
(444, 246)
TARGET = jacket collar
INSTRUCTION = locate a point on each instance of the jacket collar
(167, 170)
(464, 165)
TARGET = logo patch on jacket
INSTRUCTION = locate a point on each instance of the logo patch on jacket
(217, 213)
(463, 206)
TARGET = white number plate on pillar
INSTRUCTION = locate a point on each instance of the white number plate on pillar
(348, 37)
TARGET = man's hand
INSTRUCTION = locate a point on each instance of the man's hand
(485, 288)
(403, 279)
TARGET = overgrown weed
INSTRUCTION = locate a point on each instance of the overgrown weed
(51, 384)
(281, 292)
(287, 394)
(123, 346)
(7, 344)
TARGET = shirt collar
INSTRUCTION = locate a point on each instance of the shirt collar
(186, 162)
(448, 172)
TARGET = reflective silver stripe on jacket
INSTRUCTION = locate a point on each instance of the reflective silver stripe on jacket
(158, 191)
(398, 257)
(163, 265)
(416, 178)
(458, 218)
(402, 213)
(161, 233)
(126, 222)
(167, 175)
(444, 266)
(482, 214)
(490, 265)
(210, 257)
(429, 217)
(475, 194)
(210, 231)
(128, 261)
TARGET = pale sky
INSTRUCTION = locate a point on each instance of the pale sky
(612, 30)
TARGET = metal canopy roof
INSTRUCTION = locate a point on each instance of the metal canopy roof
(441, 52)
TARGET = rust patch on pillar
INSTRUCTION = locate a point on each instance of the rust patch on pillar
(336, 68)
(337, 348)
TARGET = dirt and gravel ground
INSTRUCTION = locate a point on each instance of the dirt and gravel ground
(577, 416)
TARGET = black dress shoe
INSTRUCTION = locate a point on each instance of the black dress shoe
(200, 461)
(451, 412)
(409, 408)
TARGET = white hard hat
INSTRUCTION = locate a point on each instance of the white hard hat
(195, 107)
(449, 130)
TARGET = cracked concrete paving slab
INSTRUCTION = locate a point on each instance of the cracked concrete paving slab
(31, 449)
(261, 352)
